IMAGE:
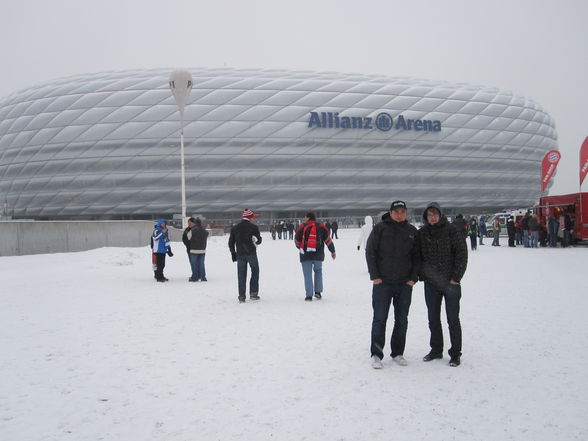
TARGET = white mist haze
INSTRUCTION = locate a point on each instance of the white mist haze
(534, 48)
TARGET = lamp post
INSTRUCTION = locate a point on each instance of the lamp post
(180, 83)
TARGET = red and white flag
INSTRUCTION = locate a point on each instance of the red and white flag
(584, 160)
(548, 166)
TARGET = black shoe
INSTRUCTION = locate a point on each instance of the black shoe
(204, 279)
(162, 280)
(432, 356)
(318, 296)
(254, 297)
(455, 361)
(241, 300)
(308, 299)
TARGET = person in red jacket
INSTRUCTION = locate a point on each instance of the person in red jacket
(310, 239)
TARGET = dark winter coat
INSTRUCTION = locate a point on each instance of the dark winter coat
(473, 227)
(461, 226)
(323, 238)
(510, 227)
(525, 222)
(197, 237)
(241, 240)
(392, 252)
(534, 224)
(444, 255)
(568, 223)
(185, 239)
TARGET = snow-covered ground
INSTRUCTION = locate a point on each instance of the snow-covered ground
(94, 349)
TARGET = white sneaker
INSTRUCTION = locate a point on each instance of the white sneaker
(400, 360)
(376, 362)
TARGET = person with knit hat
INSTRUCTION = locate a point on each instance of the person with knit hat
(243, 242)
(444, 259)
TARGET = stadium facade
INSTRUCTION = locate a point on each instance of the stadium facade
(106, 145)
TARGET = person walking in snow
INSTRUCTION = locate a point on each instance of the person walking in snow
(160, 247)
(364, 233)
(393, 260)
(243, 242)
(444, 258)
(310, 239)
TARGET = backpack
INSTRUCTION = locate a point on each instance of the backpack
(311, 239)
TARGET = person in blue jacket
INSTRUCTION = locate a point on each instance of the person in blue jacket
(160, 247)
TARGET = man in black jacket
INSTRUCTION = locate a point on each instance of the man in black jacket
(393, 260)
(444, 258)
(243, 242)
(310, 239)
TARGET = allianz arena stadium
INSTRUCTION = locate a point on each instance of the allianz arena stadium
(107, 145)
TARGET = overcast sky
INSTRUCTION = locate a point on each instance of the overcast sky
(536, 48)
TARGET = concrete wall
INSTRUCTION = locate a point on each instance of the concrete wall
(31, 237)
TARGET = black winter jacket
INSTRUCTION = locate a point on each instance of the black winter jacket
(510, 227)
(197, 237)
(241, 238)
(460, 226)
(392, 252)
(444, 253)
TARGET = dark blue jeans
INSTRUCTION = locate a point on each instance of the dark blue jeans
(400, 294)
(197, 265)
(434, 295)
(242, 262)
(553, 229)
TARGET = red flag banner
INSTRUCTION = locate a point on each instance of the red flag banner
(548, 166)
(584, 160)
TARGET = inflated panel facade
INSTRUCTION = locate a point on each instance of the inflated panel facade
(107, 144)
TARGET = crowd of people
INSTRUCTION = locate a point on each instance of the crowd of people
(398, 255)
(526, 230)
(285, 229)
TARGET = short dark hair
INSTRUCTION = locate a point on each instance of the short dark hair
(311, 215)
(192, 220)
(197, 221)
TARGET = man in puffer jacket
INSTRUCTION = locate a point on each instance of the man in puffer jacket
(444, 258)
(393, 261)
(160, 247)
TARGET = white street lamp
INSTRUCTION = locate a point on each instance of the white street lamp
(180, 83)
